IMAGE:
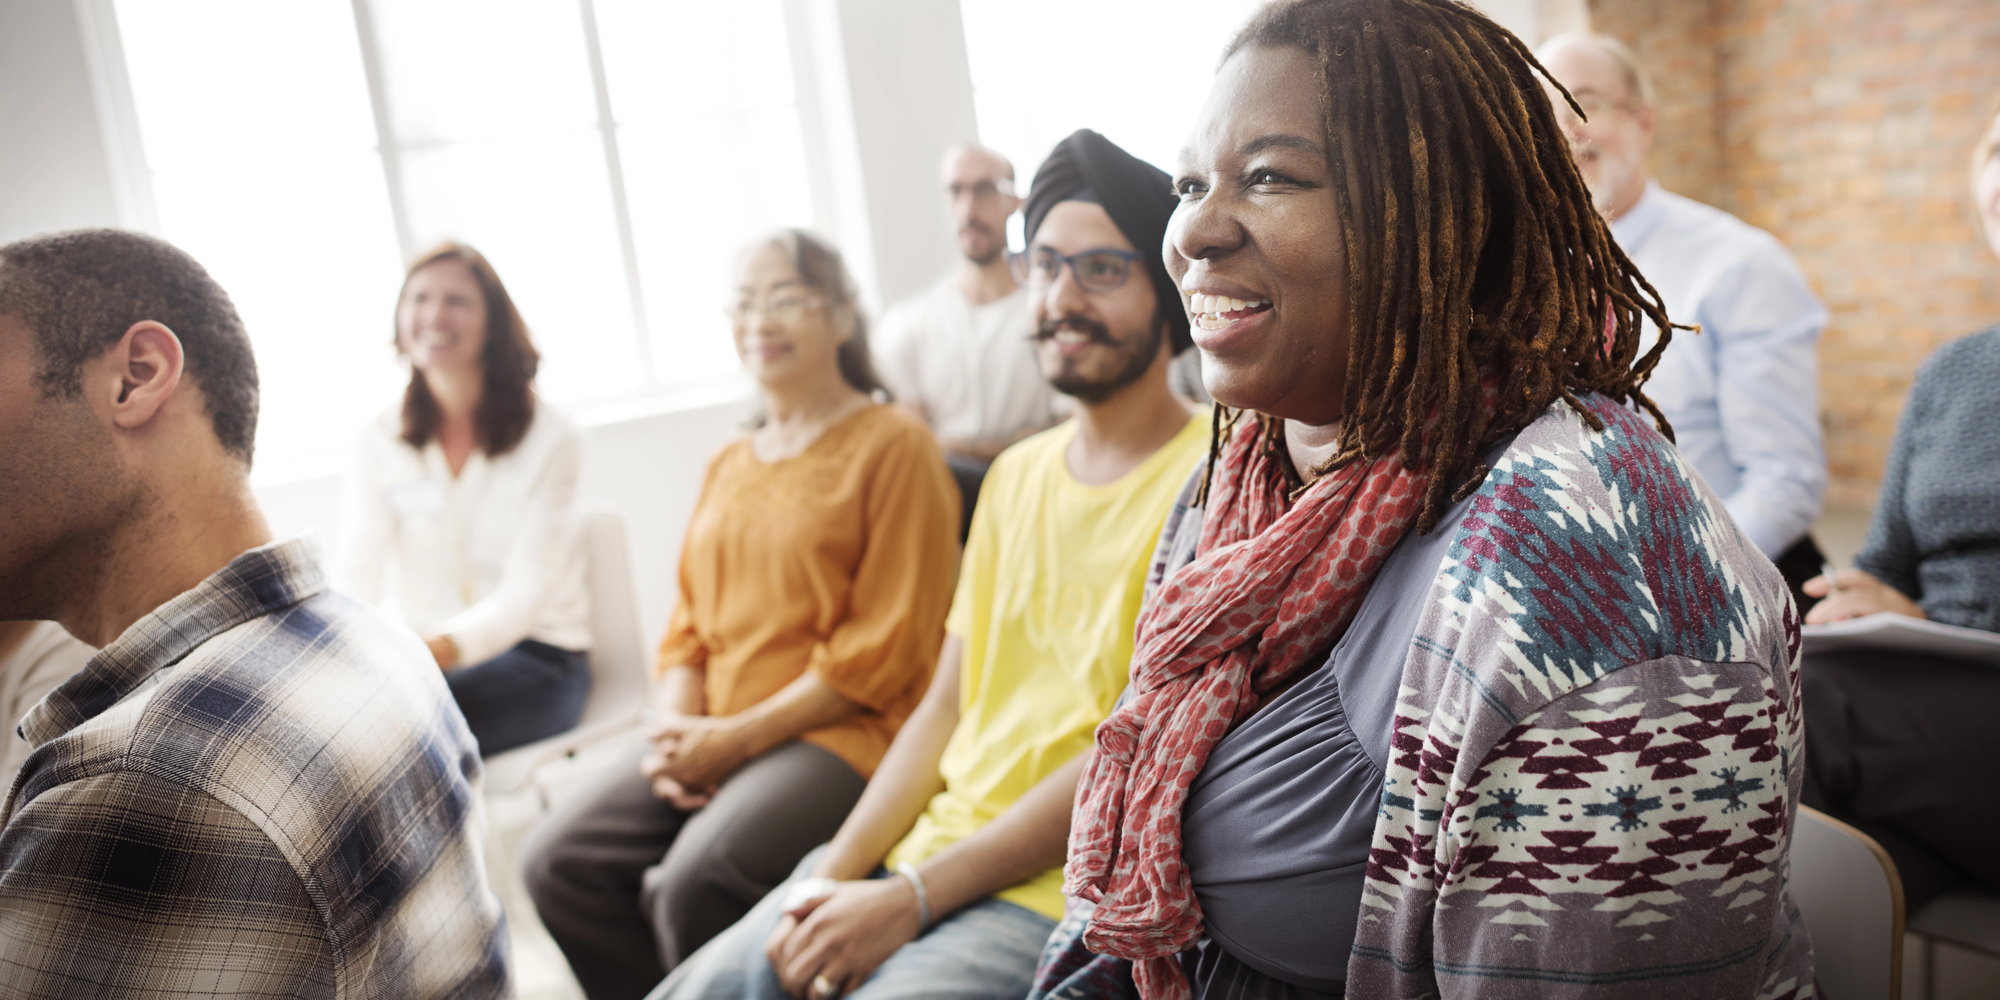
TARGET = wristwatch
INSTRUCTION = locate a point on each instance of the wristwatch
(809, 890)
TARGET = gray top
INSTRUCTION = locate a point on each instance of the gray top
(1277, 826)
(1936, 531)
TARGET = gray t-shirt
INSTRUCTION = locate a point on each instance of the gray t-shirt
(1277, 826)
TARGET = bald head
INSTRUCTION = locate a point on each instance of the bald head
(979, 187)
(974, 159)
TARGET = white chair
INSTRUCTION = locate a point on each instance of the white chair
(1967, 917)
(618, 683)
(1852, 899)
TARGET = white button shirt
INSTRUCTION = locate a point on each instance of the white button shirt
(488, 557)
(970, 369)
(1743, 396)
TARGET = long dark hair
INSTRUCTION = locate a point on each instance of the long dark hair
(508, 364)
(822, 269)
(1474, 252)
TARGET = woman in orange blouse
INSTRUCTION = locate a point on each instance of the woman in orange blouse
(815, 578)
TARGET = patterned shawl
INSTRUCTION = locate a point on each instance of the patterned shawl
(1274, 583)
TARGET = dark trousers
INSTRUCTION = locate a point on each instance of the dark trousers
(1903, 747)
(630, 886)
(1800, 563)
(969, 473)
(528, 693)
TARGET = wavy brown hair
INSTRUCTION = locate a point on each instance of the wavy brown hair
(1475, 256)
(508, 363)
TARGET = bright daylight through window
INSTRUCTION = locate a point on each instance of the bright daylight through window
(1142, 82)
(259, 122)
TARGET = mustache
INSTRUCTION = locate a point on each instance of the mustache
(976, 227)
(1097, 332)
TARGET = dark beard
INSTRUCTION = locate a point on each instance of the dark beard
(1135, 356)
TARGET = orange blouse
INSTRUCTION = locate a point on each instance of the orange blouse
(838, 560)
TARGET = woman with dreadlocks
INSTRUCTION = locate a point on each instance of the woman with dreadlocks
(1456, 681)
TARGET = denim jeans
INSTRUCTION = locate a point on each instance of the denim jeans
(986, 951)
(530, 692)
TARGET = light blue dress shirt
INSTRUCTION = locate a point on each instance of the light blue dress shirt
(1743, 396)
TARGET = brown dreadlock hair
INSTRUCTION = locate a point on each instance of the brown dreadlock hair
(1474, 252)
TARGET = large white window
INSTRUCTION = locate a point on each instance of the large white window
(607, 155)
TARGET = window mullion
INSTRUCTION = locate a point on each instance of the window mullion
(628, 247)
(385, 129)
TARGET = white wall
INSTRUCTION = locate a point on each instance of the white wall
(646, 467)
(884, 90)
(911, 88)
(53, 170)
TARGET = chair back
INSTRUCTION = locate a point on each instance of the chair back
(617, 654)
(1852, 900)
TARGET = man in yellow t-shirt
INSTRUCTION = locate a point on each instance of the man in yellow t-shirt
(946, 879)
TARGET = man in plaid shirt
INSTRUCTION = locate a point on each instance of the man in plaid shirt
(258, 787)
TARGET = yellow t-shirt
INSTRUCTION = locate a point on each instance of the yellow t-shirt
(1047, 597)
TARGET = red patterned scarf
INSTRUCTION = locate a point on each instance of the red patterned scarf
(1273, 585)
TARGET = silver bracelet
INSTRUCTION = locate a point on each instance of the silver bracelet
(909, 873)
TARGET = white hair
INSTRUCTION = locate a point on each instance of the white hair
(1636, 80)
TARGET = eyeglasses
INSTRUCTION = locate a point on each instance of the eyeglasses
(981, 192)
(784, 306)
(1100, 269)
(1592, 105)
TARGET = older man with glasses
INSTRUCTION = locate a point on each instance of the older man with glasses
(1743, 395)
(947, 878)
(956, 355)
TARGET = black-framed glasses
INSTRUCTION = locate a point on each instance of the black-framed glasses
(1099, 269)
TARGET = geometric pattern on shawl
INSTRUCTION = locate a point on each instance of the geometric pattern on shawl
(1597, 749)
(1595, 760)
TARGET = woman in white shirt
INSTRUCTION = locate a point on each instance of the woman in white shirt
(460, 508)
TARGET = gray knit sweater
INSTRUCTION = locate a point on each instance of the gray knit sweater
(1936, 532)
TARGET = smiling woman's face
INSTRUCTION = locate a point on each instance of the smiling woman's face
(785, 332)
(1256, 244)
(441, 320)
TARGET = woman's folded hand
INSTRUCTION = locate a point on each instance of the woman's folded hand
(1853, 593)
(698, 751)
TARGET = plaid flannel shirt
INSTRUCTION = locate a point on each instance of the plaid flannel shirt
(262, 788)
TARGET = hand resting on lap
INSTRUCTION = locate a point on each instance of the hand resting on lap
(1858, 594)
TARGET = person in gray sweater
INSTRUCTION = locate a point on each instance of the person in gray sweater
(1933, 547)
(1900, 745)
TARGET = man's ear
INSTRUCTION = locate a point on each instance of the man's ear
(148, 363)
(1647, 121)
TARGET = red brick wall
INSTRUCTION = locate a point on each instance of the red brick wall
(1844, 127)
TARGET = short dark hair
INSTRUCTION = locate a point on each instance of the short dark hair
(79, 291)
(507, 363)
